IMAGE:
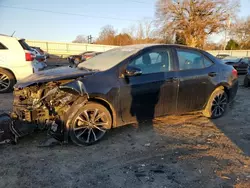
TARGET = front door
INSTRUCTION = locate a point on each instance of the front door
(154, 92)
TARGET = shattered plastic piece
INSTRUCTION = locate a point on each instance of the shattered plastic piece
(147, 145)
(77, 86)
(225, 177)
(11, 130)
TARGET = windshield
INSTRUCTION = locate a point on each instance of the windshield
(108, 59)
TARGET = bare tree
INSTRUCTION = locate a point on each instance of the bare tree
(80, 39)
(107, 35)
(240, 31)
(194, 19)
(142, 32)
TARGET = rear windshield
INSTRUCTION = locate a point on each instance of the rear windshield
(24, 44)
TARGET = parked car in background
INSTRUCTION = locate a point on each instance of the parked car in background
(238, 63)
(40, 56)
(74, 60)
(247, 77)
(222, 56)
(246, 60)
(125, 85)
(40, 52)
(17, 61)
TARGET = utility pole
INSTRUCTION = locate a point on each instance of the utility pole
(90, 39)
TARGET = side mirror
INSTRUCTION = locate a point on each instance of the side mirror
(133, 71)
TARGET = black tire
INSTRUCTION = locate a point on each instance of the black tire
(217, 104)
(246, 82)
(7, 81)
(90, 124)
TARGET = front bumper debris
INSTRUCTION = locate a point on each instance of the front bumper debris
(11, 130)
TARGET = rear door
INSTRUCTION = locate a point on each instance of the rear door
(197, 75)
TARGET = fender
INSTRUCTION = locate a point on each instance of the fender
(1, 67)
(81, 101)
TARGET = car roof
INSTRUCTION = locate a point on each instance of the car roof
(138, 47)
(3, 35)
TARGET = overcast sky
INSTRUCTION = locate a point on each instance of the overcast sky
(30, 21)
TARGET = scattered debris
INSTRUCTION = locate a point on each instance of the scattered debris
(140, 174)
(158, 171)
(225, 177)
(147, 145)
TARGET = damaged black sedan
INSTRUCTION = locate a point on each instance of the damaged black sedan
(121, 86)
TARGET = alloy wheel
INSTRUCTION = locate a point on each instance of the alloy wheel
(90, 125)
(4, 82)
(219, 104)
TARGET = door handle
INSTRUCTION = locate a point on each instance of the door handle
(212, 74)
(172, 79)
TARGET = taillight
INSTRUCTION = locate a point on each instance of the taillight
(29, 56)
(235, 73)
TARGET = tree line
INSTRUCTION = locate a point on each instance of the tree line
(187, 22)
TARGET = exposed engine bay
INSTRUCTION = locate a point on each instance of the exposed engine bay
(40, 106)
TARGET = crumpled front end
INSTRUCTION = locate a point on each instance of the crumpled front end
(45, 105)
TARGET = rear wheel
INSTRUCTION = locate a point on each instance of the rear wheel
(7, 81)
(217, 104)
(90, 124)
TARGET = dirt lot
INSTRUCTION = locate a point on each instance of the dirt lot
(176, 151)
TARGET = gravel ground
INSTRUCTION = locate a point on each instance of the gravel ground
(174, 151)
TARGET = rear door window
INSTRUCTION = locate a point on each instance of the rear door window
(24, 45)
(190, 59)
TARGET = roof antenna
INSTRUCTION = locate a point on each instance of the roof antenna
(13, 33)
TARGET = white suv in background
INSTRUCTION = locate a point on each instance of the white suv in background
(17, 61)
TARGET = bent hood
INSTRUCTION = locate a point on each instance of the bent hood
(56, 74)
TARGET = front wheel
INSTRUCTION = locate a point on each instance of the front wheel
(217, 104)
(90, 124)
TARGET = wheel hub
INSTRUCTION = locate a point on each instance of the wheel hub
(90, 125)
(219, 104)
(4, 82)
